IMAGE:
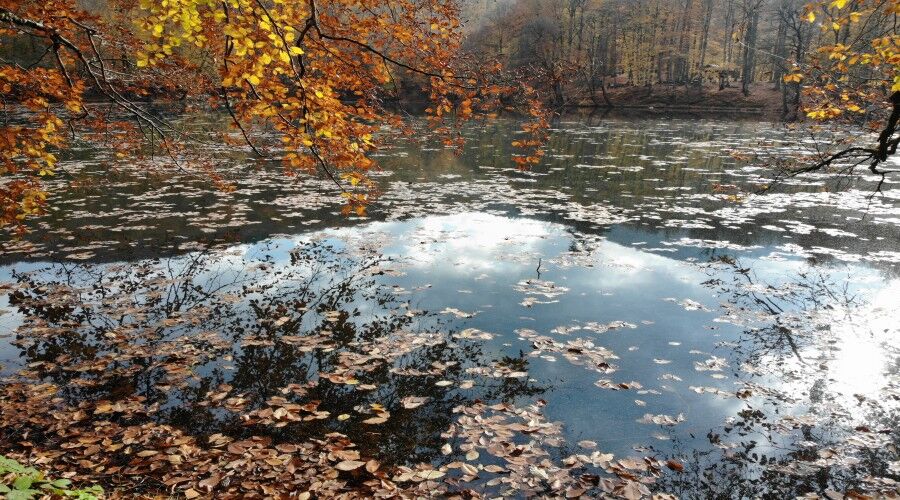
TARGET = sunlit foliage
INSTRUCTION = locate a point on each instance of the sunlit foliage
(319, 74)
(858, 68)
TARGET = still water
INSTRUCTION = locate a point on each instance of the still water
(632, 289)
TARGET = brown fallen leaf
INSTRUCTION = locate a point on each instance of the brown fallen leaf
(414, 402)
(430, 474)
(675, 465)
(469, 469)
(349, 465)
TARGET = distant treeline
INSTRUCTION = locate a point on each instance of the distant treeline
(583, 48)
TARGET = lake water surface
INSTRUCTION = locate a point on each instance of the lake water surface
(631, 289)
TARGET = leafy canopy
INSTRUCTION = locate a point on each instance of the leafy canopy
(317, 73)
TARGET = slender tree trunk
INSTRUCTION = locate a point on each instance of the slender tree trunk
(779, 63)
(704, 40)
(729, 34)
(606, 100)
(612, 65)
(684, 38)
(791, 92)
(749, 62)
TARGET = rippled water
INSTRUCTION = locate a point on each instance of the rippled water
(630, 286)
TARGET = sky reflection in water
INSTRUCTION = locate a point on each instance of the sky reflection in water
(667, 318)
(761, 326)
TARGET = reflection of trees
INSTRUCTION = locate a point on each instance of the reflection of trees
(763, 451)
(205, 338)
(141, 211)
(778, 315)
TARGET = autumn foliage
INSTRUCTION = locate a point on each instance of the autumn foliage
(316, 73)
(859, 66)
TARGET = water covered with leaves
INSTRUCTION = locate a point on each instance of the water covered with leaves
(623, 320)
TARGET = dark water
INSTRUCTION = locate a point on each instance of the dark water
(629, 285)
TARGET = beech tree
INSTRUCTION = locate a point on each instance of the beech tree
(313, 71)
(854, 79)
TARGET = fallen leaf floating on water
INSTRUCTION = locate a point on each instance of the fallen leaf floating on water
(375, 420)
(411, 402)
(712, 390)
(546, 289)
(688, 304)
(348, 465)
(675, 465)
(579, 351)
(609, 384)
(457, 312)
(661, 419)
(430, 474)
(473, 333)
(713, 364)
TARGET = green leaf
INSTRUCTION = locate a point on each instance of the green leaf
(9, 465)
(23, 482)
(20, 495)
(61, 483)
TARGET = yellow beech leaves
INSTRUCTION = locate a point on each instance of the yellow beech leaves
(25, 144)
(853, 74)
(317, 73)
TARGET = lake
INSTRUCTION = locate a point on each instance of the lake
(629, 317)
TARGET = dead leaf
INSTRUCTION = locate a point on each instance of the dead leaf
(348, 465)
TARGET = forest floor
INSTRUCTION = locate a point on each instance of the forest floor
(763, 99)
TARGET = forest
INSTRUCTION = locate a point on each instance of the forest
(586, 50)
(449, 248)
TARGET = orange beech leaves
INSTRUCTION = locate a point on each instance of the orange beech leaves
(859, 63)
(316, 73)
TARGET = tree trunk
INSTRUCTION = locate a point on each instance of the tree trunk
(749, 62)
(704, 40)
(779, 53)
